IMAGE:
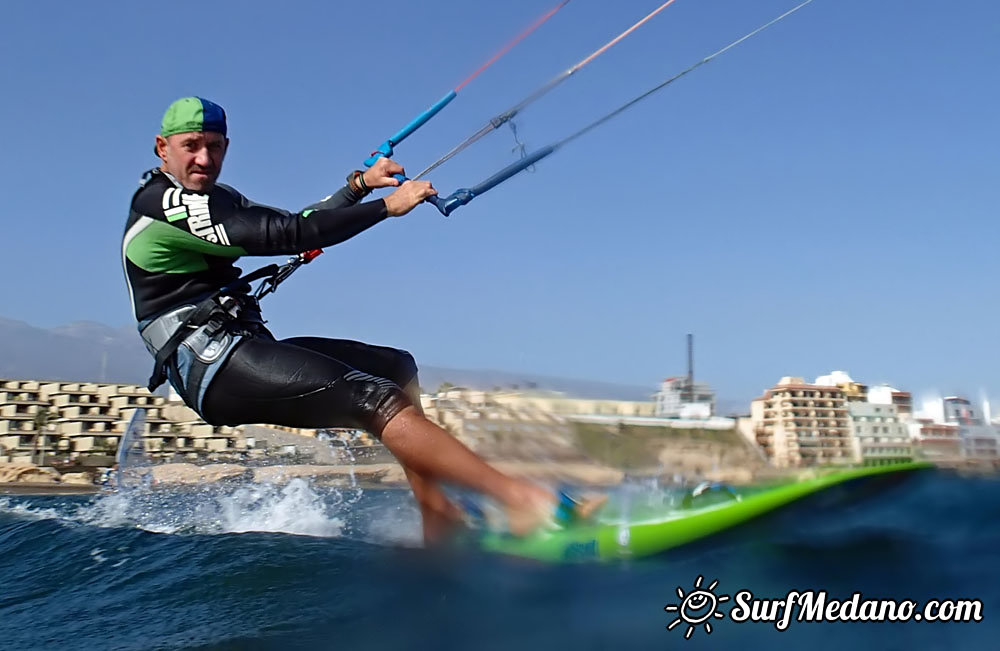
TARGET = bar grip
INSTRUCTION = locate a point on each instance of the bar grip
(386, 148)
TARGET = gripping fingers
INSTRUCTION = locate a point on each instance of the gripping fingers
(407, 196)
(385, 173)
(427, 190)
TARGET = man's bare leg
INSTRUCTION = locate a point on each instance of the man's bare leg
(434, 456)
(440, 516)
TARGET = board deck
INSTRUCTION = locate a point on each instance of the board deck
(647, 534)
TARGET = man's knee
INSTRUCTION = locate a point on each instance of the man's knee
(375, 401)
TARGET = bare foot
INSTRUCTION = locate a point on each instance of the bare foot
(535, 507)
(531, 507)
(588, 505)
(440, 521)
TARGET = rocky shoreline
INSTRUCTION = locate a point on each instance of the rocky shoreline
(32, 480)
(383, 474)
(44, 488)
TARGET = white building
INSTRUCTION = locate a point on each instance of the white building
(959, 411)
(980, 442)
(879, 437)
(936, 441)
(979, 439)
(884, 394)
(679, 398)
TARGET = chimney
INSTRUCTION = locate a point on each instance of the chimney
(690, 376)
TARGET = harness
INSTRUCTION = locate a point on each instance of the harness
(208, 327)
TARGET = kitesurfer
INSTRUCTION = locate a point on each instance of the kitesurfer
(184, 234)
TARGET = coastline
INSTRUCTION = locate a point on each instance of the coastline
(378, 475)
(47, 488)
(391, 475)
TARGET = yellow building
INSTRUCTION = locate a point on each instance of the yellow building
(853, 391)
(70, 420)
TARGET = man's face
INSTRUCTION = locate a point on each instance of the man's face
(194, 159)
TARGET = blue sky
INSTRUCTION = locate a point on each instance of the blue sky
(822, 197)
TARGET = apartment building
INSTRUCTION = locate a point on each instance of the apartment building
(935, 441)
(980, 442)
(980, 439)
(70, 421)
(960, 411)
(878, 435)
(884, 394)
(799, 424)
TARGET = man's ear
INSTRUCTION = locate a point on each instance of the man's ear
(160, 148)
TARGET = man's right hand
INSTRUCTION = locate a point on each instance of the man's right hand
(407, 196)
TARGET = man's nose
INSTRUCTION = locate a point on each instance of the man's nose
(202, 158)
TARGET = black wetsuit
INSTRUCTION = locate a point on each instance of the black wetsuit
(180, 246)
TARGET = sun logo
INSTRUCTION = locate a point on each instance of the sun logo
(696, 607)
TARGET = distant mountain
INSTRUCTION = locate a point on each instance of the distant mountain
(94, 352)
(84, 351)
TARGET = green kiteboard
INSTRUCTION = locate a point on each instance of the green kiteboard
(645, 532)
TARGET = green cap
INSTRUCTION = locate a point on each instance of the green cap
(193, 114)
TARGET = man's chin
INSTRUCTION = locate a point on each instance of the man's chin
(199, 183)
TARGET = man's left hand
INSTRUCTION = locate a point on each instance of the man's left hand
(380, 174)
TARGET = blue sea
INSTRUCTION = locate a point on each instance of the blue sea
(308, 567)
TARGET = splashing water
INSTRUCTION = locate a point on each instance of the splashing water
(297, 507)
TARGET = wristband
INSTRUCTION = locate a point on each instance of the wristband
(356, 185)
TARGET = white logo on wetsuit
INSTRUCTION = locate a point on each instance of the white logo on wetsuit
(194, 208)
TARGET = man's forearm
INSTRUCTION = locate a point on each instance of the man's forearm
(341, 198)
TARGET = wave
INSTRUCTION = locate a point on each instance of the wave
(305, 566)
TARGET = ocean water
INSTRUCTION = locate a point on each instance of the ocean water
(306, 567)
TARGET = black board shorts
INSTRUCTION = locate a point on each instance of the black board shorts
(310, 382)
